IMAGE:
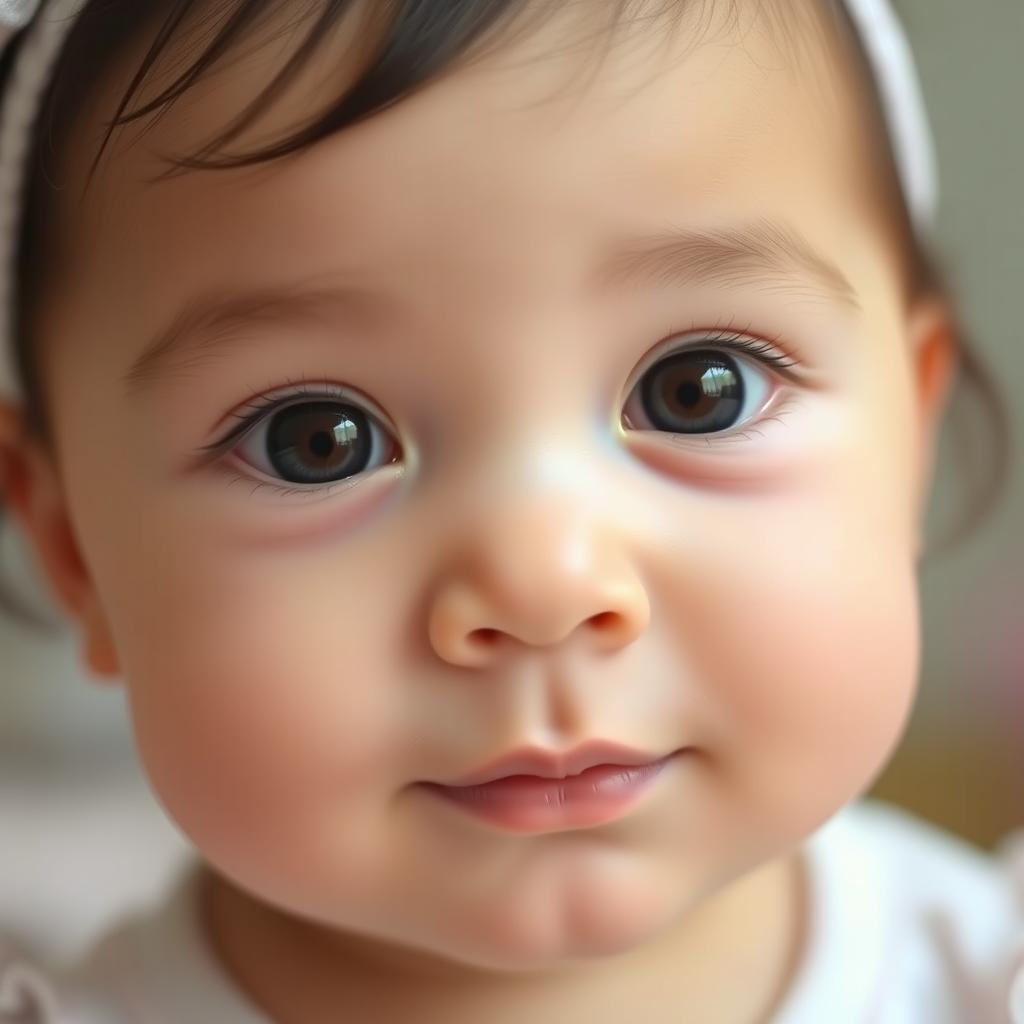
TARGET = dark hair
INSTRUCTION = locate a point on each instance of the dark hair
(416, 43)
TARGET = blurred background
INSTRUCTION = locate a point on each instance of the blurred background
(82, 838)
(962, 760)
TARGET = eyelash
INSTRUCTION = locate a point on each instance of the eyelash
(767, 351)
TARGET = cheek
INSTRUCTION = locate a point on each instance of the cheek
(257, 703)
(809, 644)
(826, 710)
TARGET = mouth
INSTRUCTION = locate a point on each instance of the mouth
(553, 764)
(533, 790)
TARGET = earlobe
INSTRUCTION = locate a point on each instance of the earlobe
(936, 347)
(32, 492)
(935, 361)
(98, 650)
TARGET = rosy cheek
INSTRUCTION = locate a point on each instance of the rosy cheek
(808, 646)
(256, 716)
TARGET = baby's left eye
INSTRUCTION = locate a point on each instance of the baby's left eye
(697, 391)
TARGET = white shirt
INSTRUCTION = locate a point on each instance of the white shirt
(907, 925)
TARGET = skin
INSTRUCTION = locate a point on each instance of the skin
(295, 663)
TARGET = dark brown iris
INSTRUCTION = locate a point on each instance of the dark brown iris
(693, 392)
(318, 442)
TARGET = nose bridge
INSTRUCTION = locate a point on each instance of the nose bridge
(544, 552)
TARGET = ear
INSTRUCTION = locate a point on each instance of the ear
(935, 361)
(31, 489)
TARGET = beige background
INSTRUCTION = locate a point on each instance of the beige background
(962, 763)
(77, 822)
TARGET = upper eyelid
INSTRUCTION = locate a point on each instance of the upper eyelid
(721, 335)
(300, 389)
(260, 406)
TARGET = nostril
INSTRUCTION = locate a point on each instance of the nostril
(486, 636)
(604, 621)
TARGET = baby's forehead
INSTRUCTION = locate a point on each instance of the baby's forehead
(718, 96)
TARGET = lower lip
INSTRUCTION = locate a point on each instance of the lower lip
(527, 803)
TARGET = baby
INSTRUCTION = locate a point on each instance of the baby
(538, 682)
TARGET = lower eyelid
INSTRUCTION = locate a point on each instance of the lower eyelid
(782, 405)
(310, 493)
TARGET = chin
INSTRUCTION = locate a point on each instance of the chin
(568, 927)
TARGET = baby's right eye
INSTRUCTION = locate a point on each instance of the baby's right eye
(315, 441)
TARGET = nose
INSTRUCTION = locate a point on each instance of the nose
(537, 579)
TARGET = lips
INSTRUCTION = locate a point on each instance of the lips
(535, 791)
(545, 764)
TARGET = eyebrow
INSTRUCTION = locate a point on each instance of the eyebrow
(220, 319)
(770, 255)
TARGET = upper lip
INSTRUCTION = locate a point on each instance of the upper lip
(554, 764)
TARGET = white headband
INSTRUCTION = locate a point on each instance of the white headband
(883, 40)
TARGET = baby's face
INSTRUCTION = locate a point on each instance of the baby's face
(540, 522)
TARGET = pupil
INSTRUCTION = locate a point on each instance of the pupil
(321, 444)
(689, 394)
